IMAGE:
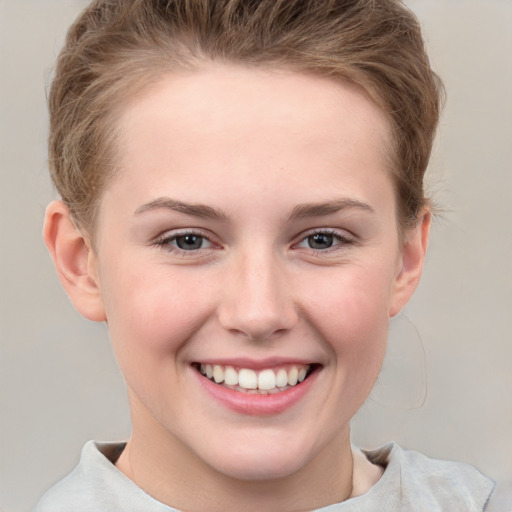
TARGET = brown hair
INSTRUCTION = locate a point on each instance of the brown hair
(116, 47)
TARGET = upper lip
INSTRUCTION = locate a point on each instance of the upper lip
(256, 364)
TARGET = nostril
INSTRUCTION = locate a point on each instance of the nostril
(259, 326)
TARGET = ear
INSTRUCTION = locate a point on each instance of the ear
(414, 250)
(74, 260)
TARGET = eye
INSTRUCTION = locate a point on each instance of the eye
(185, 241)
(324, 240)
(191, 242)
(320, 241)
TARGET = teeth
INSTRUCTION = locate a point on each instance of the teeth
(293, 376)
(266, 381)
(281, 378)
(231, 376)
(218, 374)
(248, 379)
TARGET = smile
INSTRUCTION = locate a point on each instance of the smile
(264, 381)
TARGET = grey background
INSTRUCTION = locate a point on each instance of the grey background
(447, 384)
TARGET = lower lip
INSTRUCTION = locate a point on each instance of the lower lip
(256, 404)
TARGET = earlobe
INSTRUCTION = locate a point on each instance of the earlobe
(414, 251)
(74, 261)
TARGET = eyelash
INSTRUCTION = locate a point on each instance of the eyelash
(340, 239)
(166, 242)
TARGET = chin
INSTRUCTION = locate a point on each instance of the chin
(260, 461)
(261, 468)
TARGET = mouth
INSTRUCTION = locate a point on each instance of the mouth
(265, 381)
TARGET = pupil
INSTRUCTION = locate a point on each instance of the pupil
(320, 241)
(189, 242)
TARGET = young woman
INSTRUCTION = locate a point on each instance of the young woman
(243, 204)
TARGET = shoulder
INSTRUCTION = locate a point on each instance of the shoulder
(501, 498)
(422, 483)
(96, 484)
(70, 490)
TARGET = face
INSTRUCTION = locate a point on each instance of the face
(251, 236)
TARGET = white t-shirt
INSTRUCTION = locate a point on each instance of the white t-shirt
(411, 482)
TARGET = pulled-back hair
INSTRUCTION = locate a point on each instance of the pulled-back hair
(117, 47)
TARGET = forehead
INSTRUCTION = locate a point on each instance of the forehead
(219, 96)
(231, 124)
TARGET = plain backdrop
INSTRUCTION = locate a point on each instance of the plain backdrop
(447, 385)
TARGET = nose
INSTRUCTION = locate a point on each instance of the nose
(257, 299)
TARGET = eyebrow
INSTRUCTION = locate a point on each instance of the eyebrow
(195, 210)
(302, 211)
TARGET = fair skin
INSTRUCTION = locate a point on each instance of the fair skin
(252, 225)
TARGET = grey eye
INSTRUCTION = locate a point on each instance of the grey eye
(320, 241)
(190, 242)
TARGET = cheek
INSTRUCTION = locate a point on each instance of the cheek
(151, 314)
(352, 303)
(352, 311)
(349, 311)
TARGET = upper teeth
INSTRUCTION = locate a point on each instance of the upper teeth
(264, 380)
